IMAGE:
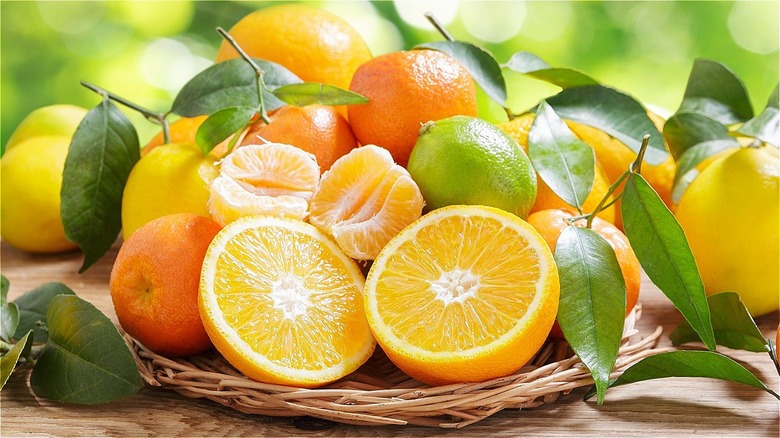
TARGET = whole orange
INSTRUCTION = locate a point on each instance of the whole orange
(406, 90)
(318, 129)
(551, 223)
(312, 43)
(154, 283)
(183, 130)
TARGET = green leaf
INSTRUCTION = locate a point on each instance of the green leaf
(715, 91)
(221, 125)
(613, 112)
(662, 249)
(309, 93)
(229, 84)
(686, 165)
(765, 126)
(9, 360)
(86, 361)
(103, 151)
(563, 161)
(9, 312)
(529, 64)
(685, 130)
(480, 63)
(593, 300)
(688, 364)
(33, 307)
(731, 322)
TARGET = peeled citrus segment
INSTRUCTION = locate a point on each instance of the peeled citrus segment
(464, 294)
(283, 304)
(229, 201)
(273, 169)
(364, 200)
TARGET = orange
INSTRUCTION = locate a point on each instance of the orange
(183, 130)
(312, 43)
(273, 178)
(283, 304)
(405, 90)
(551, 223)
(464, 294)
(154, 283)
(317, 129)
(364, 200)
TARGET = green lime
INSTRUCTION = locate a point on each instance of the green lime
(464, 160)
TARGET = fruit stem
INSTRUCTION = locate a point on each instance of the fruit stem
(636, 166)
(258, 72)
(440, 27)
(150, 115)
(603, 203)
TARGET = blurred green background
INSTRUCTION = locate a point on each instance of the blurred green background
(145, 51)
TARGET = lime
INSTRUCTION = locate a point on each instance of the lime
(467, 161)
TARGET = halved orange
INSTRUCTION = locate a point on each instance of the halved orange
(283, 304)
(464, 294)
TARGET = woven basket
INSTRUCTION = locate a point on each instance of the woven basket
(380, 394)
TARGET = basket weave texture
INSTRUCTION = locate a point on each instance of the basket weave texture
(380, 394)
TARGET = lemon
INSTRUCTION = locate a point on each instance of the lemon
(30, 191)
(465, 160)
(169, 179)
(48, 120)
(731, 218)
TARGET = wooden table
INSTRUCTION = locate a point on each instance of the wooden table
(668, 407)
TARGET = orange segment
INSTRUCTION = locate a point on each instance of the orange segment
(283, 304)
(364, 200)
(464, 294)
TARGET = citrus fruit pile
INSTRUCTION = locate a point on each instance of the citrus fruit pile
(299, 244)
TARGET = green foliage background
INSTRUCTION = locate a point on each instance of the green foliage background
(145, 51)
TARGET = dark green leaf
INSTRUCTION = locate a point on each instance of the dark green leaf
(229, 84)
(593, 300)
(531, 65)
(480, 63)
(686, 165)
(33, 307)
(562, 160)
(312, 92)
(4, 286)
(102, 152)
(9, 360)
(765, 126)
(732, 323)
(715, 91)
(613, 112)
(688, 364)
(86, 361)
(685, 130)
(9, 313)
(221, 125)
(662, 249)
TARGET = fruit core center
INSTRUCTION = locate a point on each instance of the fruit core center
(290, 296)
(455, 286)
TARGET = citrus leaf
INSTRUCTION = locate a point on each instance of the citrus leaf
(563, 161)
(33, 307)
(9, 360)
(221, 125)
(688, 363)
(765, 126)
(86, 361)
(613, 112)
(231, 83)
(662, 249)
(716, 92)
(102, 152)
(686, 165)
(593, 301)
(731, 322)
(480, 64)
(685, 130)
(9, 312)
(309, 93)
(529, 64)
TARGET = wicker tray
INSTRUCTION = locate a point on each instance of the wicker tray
(380, 394)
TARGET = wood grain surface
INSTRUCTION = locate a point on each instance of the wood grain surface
(668, 407)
